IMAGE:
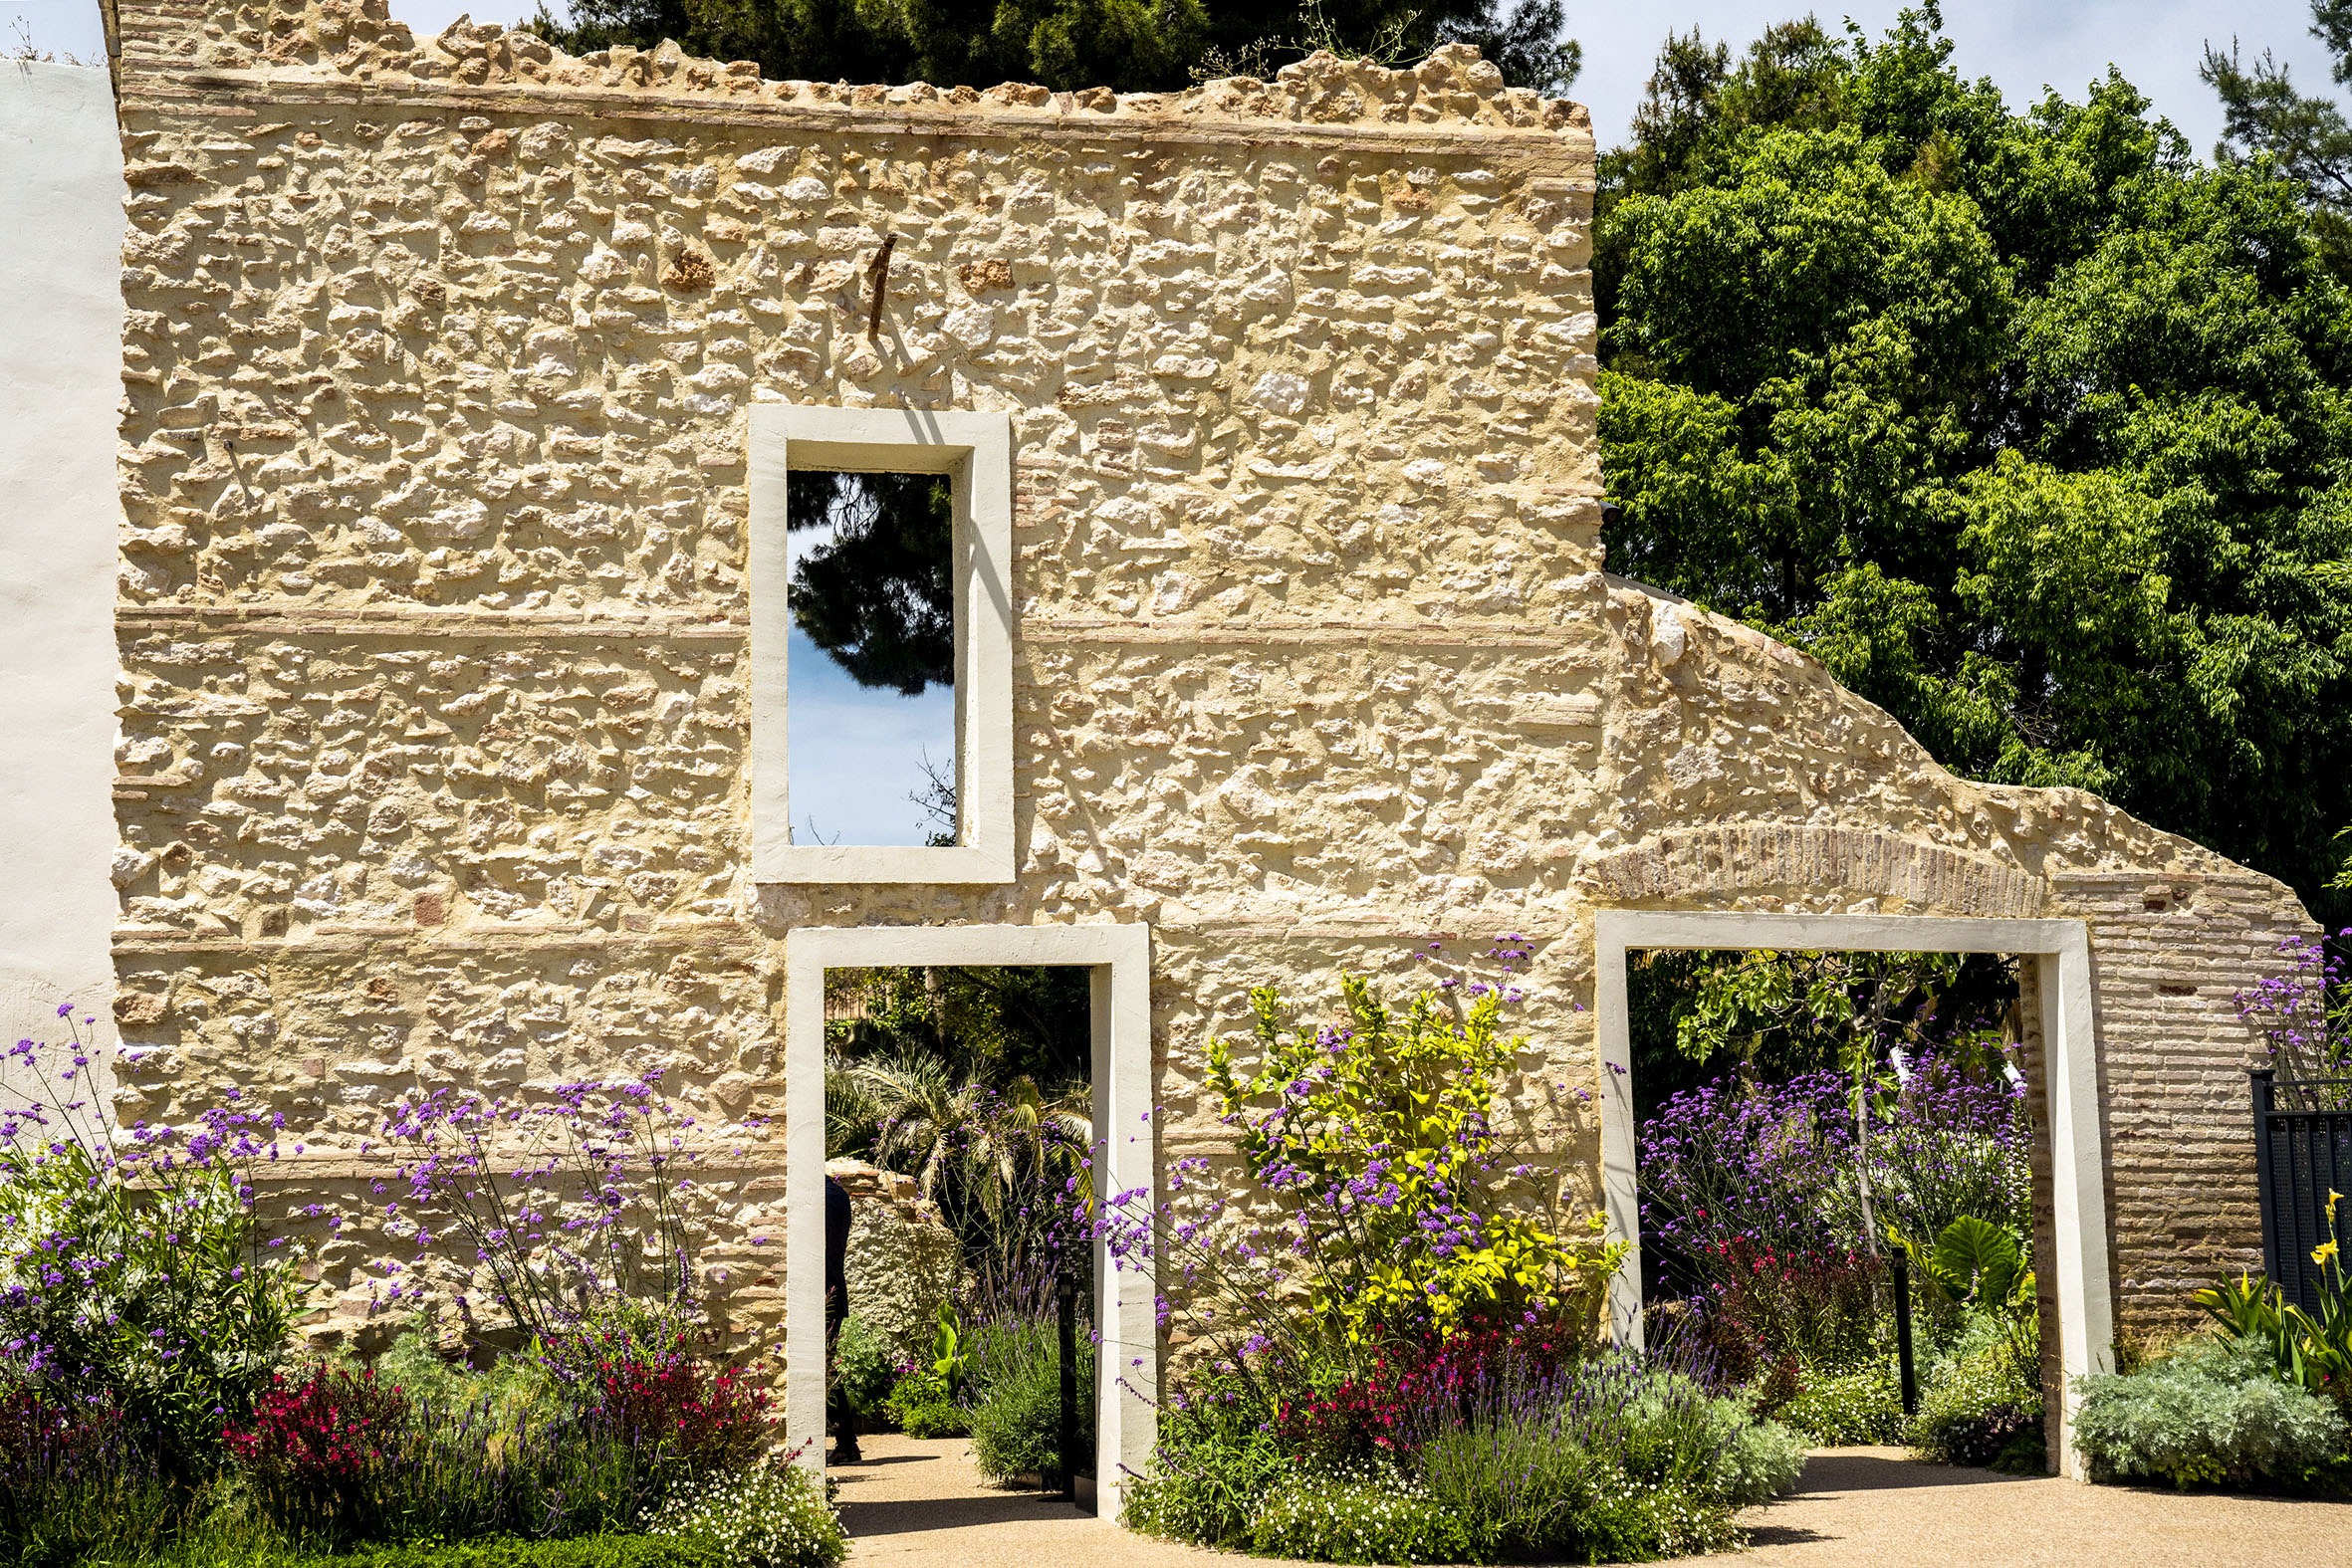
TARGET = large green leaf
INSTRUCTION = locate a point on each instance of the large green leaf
(1976, 1260)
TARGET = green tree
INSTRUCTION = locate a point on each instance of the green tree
(975, 1081)
(1129, 45)
(1852, 1010)
(878, 592)
(2033, 430)
(2265, 114)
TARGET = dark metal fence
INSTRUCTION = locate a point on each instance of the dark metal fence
(2302, 1151)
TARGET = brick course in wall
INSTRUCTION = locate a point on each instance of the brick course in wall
(433, 621)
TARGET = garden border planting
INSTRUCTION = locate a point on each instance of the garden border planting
(2060, 948)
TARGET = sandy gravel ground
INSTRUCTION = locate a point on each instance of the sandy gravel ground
(914, 1501)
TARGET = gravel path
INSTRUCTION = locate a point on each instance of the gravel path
(917, 1501)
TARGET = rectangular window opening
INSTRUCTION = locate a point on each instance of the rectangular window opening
(870, 692)
(881, 645)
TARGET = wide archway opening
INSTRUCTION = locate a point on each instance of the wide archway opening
(1815, 1105)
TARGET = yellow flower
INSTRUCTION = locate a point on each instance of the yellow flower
(2323, 1251)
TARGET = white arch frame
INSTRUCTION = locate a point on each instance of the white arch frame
(1119, 959)
(2060, 949)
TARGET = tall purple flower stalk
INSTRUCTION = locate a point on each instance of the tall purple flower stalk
(1728, 1162)
(135, 1267)
(560, 1200)
(2304, 1013)
(1730, 1170)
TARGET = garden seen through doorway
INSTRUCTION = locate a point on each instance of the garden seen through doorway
(1836, 1177)
(971, 1090)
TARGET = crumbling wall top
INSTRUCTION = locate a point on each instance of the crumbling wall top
(359, 42)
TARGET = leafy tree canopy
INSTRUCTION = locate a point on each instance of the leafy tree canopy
(2308, 137)
(878, 591)
(1767, 1017)
(1129, 45)
(2032, 429)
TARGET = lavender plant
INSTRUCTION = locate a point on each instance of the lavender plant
(2304, 1015)
(567, 1204)
(76, 1485)
(1754, 1196)
(1954, 1142)
(1740, 1170)
(135, 1267)
(1731, 1163)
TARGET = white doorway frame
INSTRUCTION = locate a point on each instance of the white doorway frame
(2060, 949)
(1119, 959)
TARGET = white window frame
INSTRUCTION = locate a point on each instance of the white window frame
(1118, 958)
(2061, 953)
(977, 450)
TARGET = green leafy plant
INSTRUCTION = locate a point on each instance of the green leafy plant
(2212, 1412)
(1979, 1267)
(1216, 1458)
(587, 1551)
(134, 1263)
(864, 1368)
(1017, 1420)
(1982, 1408)
(772, 1515)
(920, 1407)
(1358, 1514)
(2311, 1348)
(1399, 1177)
(951, 1358)
(1975, 1262)
(1761, 1462)
(1841, 1408)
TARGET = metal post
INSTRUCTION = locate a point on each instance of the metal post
(1903, 1364)
(1067, 1303)
(2265, 1096)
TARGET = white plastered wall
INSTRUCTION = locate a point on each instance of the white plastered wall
(61, 378)
(1119, 956)
(2060, 949)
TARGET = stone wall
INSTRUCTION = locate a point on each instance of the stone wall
(903, 1260)
(432, 611)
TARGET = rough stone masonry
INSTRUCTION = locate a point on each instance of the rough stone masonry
(434, 617)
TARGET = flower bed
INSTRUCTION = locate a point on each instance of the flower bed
(1778, 1206)
(153, 1413)
(1394, 1316)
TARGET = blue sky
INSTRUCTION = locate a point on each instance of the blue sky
(857, 754)
(2024, 45)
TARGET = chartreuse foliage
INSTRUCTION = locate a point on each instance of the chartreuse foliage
(1386, 1140)
(2036, 432)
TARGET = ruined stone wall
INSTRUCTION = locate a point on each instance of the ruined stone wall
(903, 1262)
(432, 612)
